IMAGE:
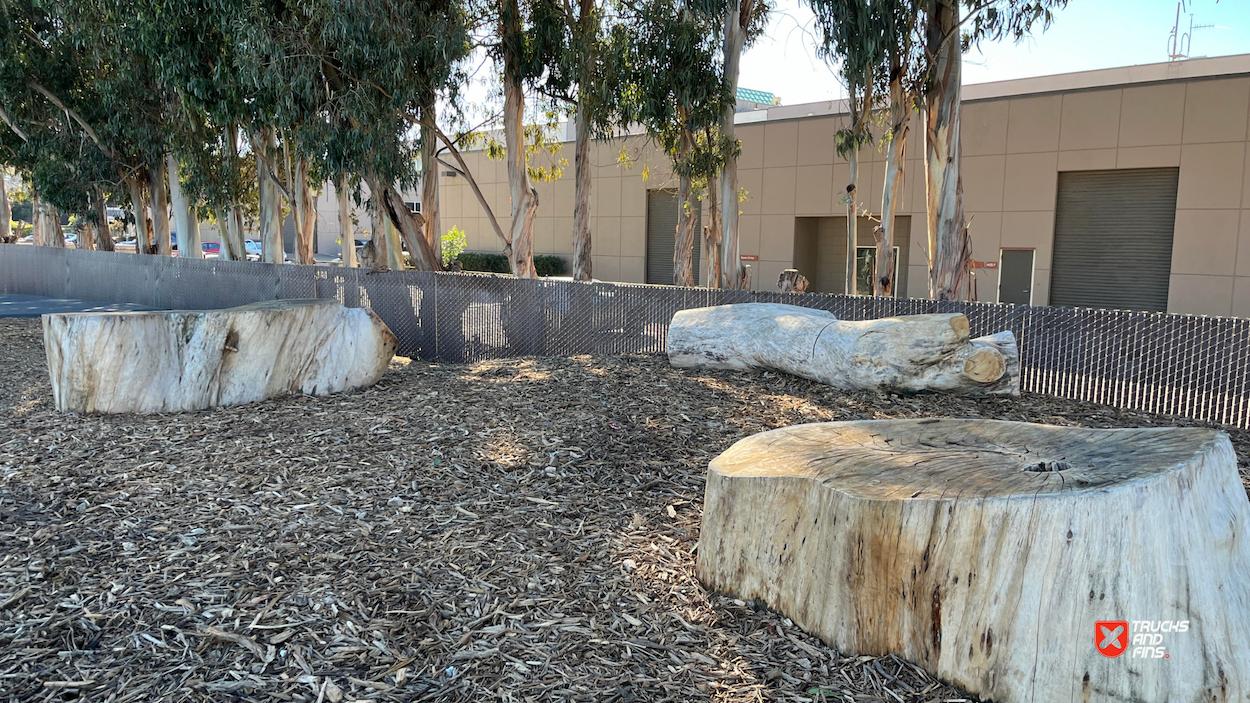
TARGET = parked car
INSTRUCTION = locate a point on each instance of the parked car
(212, 250)
(253, 248)
(117, 214)
(71, 239)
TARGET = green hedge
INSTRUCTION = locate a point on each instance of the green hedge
(498, 263)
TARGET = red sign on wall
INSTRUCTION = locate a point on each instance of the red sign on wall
(984, 264)
(749, 257)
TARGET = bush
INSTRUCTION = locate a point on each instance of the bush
(453, 245)
(547, 265)
(491, 263)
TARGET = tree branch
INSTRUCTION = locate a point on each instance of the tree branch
(73, 114)
(4, 115)
(464, 168)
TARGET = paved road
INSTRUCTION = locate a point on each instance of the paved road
(34, 306)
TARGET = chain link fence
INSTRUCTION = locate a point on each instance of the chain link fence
(1197, 367)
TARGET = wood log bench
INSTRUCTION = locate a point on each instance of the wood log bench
(163, 361)
(906, 354)
(1000, 556)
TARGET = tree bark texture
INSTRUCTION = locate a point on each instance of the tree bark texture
(376, 256)
(186, 221)
(892, 193)
(271, 246)
(988, 552)
(949, 250)
(583, 270)
(139, 205)
(713, 235)
(146, 362)
(898, 354)
(103, 234)
(683, 245)
(852, 220)
(524, 196)
(6, 212)
(347, 228)
(430, 210)
(86, 236)
(160, 208)
(411, 227)
(305, 213)
(732, 43)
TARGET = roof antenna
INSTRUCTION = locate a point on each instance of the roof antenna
(1181, 42)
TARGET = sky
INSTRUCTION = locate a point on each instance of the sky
(1086, 35)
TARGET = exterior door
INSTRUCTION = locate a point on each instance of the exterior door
(1113, 238)
(1015, 276)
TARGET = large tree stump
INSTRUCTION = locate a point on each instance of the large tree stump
(909, 354)
(987, 552)
(146, 362)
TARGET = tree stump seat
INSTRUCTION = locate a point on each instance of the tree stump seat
(176, 360)
(998, 555)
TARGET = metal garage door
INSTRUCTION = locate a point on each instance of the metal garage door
(1113, 238)
(662, 211)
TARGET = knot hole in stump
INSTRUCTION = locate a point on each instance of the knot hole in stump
(232, 341)
(1048, 465)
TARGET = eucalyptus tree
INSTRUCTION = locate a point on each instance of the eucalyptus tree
(850, 34)
(744, 21)
(903, 48)
(676, 92)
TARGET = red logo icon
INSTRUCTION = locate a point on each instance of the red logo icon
(1111, 637)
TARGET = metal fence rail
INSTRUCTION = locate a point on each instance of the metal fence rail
(1197, 367)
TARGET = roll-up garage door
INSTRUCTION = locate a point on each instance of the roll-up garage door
(1113, 238)
(662, 211)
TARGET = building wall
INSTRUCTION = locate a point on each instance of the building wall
(1014, 147)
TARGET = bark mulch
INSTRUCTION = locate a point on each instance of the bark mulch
(518, 530)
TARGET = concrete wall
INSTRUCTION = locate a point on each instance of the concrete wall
(1014, 147)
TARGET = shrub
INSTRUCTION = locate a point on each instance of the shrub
(492, 263)
(547, 265)
(454, 243)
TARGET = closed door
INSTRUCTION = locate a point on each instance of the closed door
(1015, 276)
(1113, 238)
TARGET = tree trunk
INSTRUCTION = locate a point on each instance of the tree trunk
(683, 245)
(730, 260)
(347, 229)
(103, 234)
(583, 268)
(429, 181)
(189, 360)
(900, 354)
(376, 250)
(139, 204)
(712, 235)
(185, 219)
(852, 220)
(56, 235)
(524, 197)
(160, 208)
(1020, 562)
(271, 247)
(949, 253)
(86, 236)
(6, 212)
(892, 193)
(410, 226)
(305, 210)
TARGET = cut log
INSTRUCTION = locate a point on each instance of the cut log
(907, 354)
(791, 281)
(147, 362)
(1003, 557)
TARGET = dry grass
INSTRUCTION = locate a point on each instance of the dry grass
(516, 530)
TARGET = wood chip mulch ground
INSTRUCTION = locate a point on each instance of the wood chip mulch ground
(519, 530)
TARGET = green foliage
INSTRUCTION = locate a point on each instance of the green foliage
(491, 263)
(548, 265)
(454, 243)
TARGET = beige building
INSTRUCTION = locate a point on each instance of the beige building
(1125, 187)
